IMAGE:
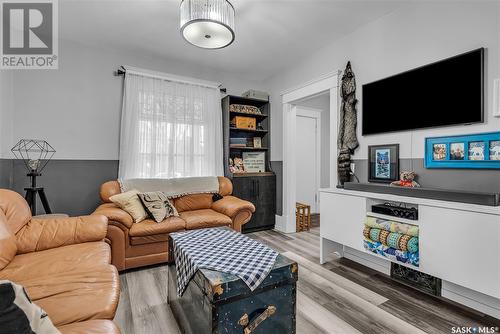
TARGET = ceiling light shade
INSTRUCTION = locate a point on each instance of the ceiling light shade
(208, 24)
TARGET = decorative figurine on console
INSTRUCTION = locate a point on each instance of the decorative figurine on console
(406, 180)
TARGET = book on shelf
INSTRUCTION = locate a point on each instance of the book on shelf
(238, 140)
(241, 142)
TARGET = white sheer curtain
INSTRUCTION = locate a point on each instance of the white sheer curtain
(169, 129)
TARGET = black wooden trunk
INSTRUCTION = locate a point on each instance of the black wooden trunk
(216, 303)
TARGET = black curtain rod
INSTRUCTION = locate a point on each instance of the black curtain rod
(121, 71)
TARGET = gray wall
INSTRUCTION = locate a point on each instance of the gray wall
(5, 173)
(71, 186)
(456, 179)
(277, 167)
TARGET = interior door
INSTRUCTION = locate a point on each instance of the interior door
(307, 161)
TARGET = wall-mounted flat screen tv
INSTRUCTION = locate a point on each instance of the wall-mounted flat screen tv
(447, 92)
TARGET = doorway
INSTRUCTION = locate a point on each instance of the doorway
(291, 98)
(308, 156)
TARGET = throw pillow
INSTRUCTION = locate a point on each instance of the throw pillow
(171, 210)
(130, 202)
(157, 205)
(18, 315)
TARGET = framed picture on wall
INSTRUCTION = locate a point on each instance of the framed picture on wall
(383, 163)
(481, 151)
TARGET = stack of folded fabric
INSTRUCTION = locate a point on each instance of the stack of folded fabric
(396, 241)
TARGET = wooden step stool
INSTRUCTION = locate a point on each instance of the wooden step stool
(303, 217)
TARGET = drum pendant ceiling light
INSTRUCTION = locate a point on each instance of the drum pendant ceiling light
(208, 24)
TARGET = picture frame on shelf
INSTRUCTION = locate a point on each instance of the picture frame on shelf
(473, 151)
(254, 162)
(383, 163)
(257, 142)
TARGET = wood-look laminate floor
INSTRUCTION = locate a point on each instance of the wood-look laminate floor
(340, 296)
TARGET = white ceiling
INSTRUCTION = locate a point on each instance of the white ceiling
(270, 35)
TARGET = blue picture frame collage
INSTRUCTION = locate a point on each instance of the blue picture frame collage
(476, 151)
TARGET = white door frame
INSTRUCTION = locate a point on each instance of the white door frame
(315, 114)
(328, 82)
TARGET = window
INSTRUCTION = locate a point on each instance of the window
(169, 129)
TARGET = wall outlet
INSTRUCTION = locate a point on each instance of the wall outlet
(496, 97)
(353, 168)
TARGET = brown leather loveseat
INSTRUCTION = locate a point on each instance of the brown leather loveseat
(145, 243)
(63, 263)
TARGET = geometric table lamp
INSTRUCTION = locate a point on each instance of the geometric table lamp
(35, 154)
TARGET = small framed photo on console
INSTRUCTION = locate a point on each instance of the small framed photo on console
(383, 163)
(476, 151)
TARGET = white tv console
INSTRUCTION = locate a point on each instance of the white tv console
(458, 242)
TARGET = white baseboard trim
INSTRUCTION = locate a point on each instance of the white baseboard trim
(281, 226)
(470, 298)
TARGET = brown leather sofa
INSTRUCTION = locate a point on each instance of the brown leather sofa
(63, 263)
(145, 243)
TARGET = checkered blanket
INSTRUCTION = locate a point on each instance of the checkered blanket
(222, 250)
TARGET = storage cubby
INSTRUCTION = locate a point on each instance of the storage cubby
(372, 201)
(392, 237)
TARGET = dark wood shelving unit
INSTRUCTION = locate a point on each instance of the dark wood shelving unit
(258, 188)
